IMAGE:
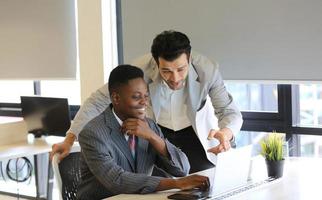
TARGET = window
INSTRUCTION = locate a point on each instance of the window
(69, 89)
(254, 97)
(311, 146)
(244, 138)
(12, 90)
(109, 27)
(298, 116)
(310, 96)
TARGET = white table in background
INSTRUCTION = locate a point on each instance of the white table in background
(39, 148)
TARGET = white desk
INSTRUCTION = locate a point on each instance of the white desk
(302, 180)
(28, 147)
(39, 148)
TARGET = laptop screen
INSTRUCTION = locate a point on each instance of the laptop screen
(231, 171)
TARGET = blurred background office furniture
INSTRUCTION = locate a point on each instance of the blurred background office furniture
(38, 149)
(45, 115)
(45, 118)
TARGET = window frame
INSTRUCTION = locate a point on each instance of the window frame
(14, 109)
(261, 121)
(283, 120)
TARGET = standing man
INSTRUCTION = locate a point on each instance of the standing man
(179, 82)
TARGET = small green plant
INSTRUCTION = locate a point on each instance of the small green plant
(272, 147)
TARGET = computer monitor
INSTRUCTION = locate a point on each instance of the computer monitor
(45, 116)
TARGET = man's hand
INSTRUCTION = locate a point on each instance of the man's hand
(63, 148)
(224, 136)
(185, 183)
(193, 181)
(138, 127)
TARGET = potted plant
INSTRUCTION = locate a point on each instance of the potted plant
(272, 150)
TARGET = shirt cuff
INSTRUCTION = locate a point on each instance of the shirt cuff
(233, 142)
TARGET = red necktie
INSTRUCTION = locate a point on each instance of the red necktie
(131, 142)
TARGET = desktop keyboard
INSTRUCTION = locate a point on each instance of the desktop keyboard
(245, 188)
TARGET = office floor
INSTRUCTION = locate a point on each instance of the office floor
(27, 190)
(3, 197)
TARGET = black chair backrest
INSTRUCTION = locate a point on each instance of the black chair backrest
(69, 169)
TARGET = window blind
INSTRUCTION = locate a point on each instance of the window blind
(276, 40)
(37, 39)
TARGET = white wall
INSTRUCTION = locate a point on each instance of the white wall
(90, 46)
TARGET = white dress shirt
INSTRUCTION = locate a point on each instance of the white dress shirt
(121, 123)
(173, 108)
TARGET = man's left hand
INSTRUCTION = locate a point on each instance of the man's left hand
(224, 136)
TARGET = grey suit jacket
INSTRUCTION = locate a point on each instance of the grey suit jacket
(204, 81)
(108, 168)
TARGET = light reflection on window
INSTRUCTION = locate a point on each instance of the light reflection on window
(13, 89)
(254, 97)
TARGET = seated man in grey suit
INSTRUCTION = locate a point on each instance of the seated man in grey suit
(120, 146)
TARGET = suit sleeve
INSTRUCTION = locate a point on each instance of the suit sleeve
(92, 107)
(177, 164)
(226, 111)
(114, 178)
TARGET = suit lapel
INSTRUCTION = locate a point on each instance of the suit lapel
(155, 92)
(141, 150)
(118, 138)
(193, 91)
(120, 141)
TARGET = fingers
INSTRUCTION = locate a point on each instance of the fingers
(205, 183)
(62, 149)
(133, 126)
(215, 150)
(198, 181)
(222, 138)
(63, 155)
(226, 145)
(222, 147)
(134, 121)
(211, 134)
(129, 130)
(129, 124)
(53, 151)
(129, 120)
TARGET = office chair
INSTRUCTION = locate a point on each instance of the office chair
(67, 175)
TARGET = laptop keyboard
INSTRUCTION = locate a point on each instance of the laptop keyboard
(245, 188)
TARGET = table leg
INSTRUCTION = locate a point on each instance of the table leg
(41, 175)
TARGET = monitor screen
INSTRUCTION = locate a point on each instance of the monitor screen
(46, 116)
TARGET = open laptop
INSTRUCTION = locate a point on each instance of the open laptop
(230, 173)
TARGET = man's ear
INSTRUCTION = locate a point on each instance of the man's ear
(115, 97)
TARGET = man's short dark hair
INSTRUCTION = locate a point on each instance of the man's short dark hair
(121, 75)
(169, 45)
